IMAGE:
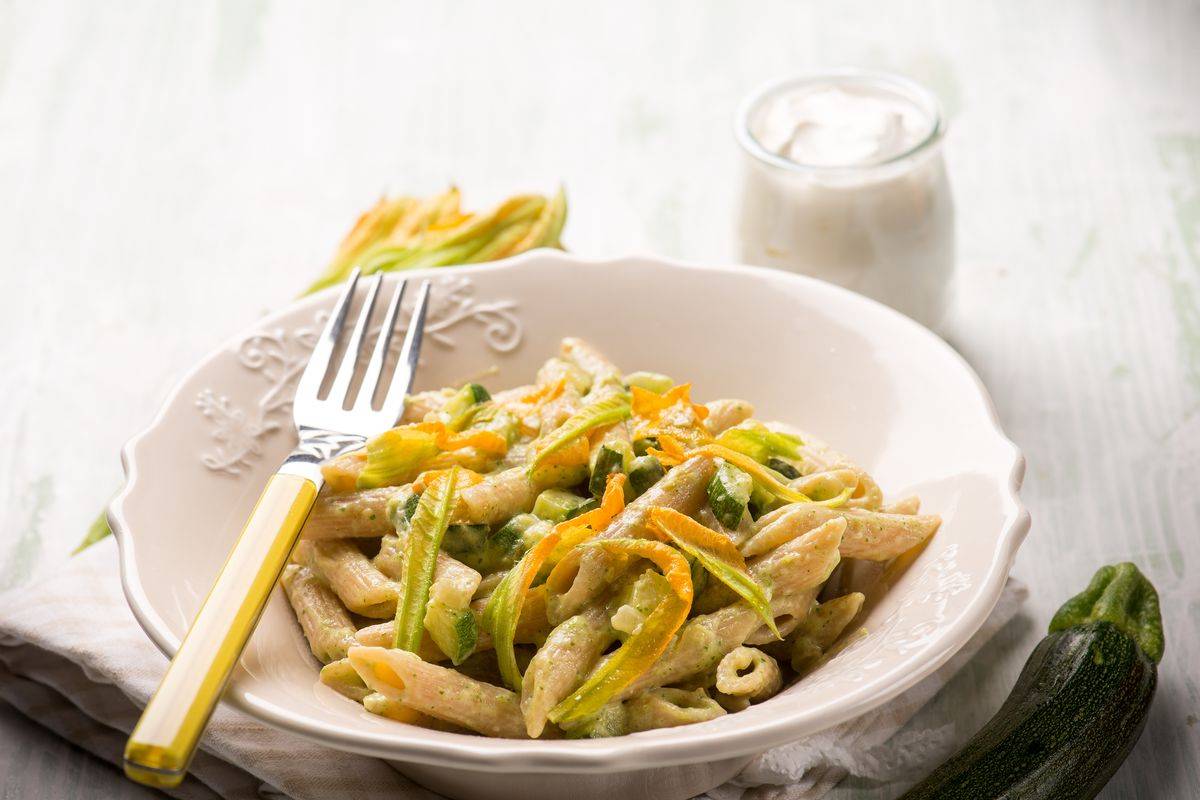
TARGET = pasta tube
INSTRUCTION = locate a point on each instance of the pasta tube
(340, 676)
(872, 535)
(822, 628)
(682, 490)
(324, 620)
(795, 573)
(748, 672)
(908, 505)
(360, 585)
(724, 414)
(668, 708)
(591, 361)
(355, 515)
(440, 692)
(561, 665)
(385, 706)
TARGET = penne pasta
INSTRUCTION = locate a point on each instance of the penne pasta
(908, 505)
(822, 628)
(750, 673)
(827, 484)
(872, 535)
(340, 676)
(440, 692)
(422, 404)
(355, 515)
(324, 620)
(724, 414)
(561, 664)
(683, 490)
(559, 369)
(354, 579)
(385, 706)
(498, 497)
(454, 582)
(623, 571)
(669, 708)
(591, 361)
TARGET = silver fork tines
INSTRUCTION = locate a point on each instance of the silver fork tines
(329, 424)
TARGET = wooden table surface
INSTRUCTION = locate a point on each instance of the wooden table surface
(169, 171)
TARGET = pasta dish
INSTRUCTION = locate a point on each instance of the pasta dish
(590, 555)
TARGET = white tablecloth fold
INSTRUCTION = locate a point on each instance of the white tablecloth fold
(73, 658)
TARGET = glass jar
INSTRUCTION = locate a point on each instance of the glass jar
(844, 181)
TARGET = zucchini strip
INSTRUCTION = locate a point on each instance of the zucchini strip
(503, 609)
(429, 525)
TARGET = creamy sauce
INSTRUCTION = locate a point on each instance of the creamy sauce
(840, 126)
(845, 181)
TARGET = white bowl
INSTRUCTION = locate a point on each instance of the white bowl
(871, 382)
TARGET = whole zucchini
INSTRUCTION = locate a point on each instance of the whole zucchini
(1078, 707)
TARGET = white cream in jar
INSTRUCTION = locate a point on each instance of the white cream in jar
(844, 181)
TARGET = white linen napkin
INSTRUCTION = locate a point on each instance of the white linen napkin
(73, 658)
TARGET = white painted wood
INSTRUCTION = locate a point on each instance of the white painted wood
(169, 171)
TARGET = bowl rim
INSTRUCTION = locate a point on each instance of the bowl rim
(688, 744)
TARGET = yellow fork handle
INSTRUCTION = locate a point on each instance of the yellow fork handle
(161, 746)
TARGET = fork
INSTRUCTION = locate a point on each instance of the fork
(162, 744)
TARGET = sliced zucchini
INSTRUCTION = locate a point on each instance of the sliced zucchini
(642, 445)
(762, 501)
(534, 534)
(729, 493)
(462, 406)
(410, 506)
(607, 459)
(784, 468)
(507, 544)
(401, 507)
(495, 419)
(468, 544)
(644, 472)
(587, 505)
(651, 381)
(555, 504)
(558, 476)
(453, 630)
(511, 535)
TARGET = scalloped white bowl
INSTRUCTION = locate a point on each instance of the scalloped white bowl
(873, 383)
